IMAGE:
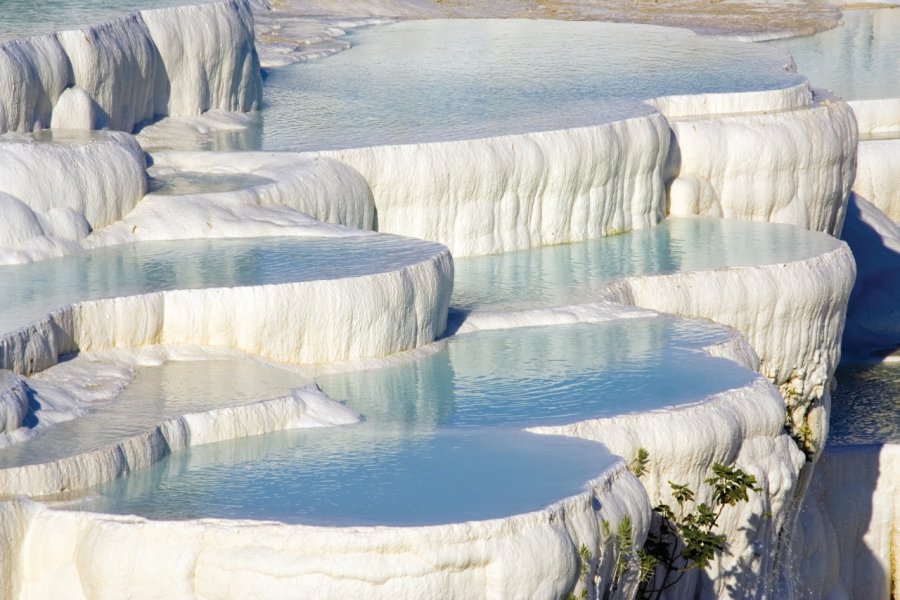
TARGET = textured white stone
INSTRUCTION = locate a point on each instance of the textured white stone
(306, 322)
(878, 175)
(877, 117)
(533, 555)
(695, 105)
(515, 192)
(849, 529)
(744, 427)
(787, 167)
(792, 314)
(305, 407)
(179, 61)
(100, 176)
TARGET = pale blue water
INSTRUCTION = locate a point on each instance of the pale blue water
(860, 59)
(571, 273)
(419, 81)
(440, 441)
(865, 407)
(20, 18)
(30, 291)
(195, 182)
(156, 394)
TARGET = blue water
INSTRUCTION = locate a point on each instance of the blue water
(865, 407)
(571, 273)
(860, 59)
(28, 292)
(440, 441)
(437, 80)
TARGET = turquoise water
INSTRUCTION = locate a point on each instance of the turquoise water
(155, 394)
(860, 59)
(440, 442)
(419, 81)
(571, 273)
(30, 291)
(193, 182)
(20, 18)
(865, 407)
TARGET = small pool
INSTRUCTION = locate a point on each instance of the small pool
(156, 394)
(438, 80)
(572, 273)
(30, 291)
(859, 59)
(181, 183)
(442, 440)
(865, 407)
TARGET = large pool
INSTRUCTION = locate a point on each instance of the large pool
(860, 59)
(441, 441)
(572, 273)
(427, 81)
(30, 291)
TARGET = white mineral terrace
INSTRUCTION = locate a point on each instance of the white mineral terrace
(237, 358)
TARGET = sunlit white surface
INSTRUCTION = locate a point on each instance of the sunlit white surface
(20, 18)
(156, 393)
(27, 292)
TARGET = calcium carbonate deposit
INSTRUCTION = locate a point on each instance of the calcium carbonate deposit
(373, 300)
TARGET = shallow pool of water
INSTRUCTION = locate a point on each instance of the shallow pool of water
(359, 476)
(860, 59)
(193, 182)
(865, 407)
(441, 442)
(156, 394)
(30, 291)
(419, 81)
(572, 273)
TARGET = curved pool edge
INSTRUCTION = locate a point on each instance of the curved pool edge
(533, 554)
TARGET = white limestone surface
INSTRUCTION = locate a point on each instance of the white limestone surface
(179, 61)
(849, 528)
(792, 314)
(877, 117)
(744, 427)
(878, 175)
(323, 188)
(533, 555)
(698, 105)
(509, 193)
(792, 167)
(58, 395)
(54, 192)
(304, 407)
(304, 322)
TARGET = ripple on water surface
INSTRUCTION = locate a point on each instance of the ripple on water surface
(572, 273)
(426, 81)
(859, 59)
(441, 440)
(865, 407)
